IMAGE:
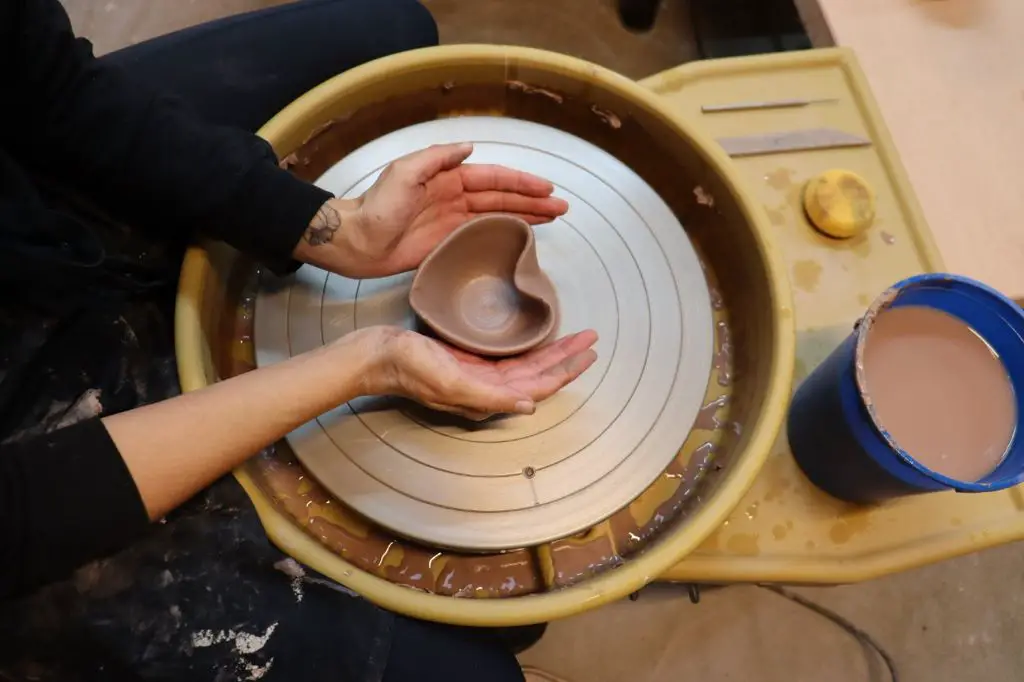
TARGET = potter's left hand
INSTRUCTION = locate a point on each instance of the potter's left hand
(416, 202)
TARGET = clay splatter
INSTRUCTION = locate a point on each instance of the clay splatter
(744, 544)
(532, 90)
(608, 117)
(776, 216)
(707, 417)
(244, 642)
(780, 179)
(289, 161)
(292, 569)
(703, 197)
(807, 274)
(723, 353)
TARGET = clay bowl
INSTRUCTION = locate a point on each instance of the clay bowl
(482, 288)
(734, 241)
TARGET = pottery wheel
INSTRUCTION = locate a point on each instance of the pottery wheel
(621, 264)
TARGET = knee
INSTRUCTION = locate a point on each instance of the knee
(429, 652)
(410, 25)
(423, 24)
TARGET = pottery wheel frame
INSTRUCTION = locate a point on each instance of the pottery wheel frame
(620, 262)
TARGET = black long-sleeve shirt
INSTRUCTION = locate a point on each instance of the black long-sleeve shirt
(67, 497)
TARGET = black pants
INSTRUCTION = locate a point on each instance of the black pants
(205, 596)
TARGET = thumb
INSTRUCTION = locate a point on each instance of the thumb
(421, 166)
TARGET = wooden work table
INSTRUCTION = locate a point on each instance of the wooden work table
(949, 78)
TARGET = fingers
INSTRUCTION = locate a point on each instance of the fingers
(470, 396)
(537, 361)
(533, 219)
(507, 202)
(421, 166)
(430, 373)
(515, 386)
(546, 371)
(465, 413)
(486, 177)
(543, 385)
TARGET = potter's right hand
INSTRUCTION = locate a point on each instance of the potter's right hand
(447, 379)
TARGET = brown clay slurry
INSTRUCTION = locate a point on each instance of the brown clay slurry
(608, 117)
(780, 179)
(703, 197)
(634, 527)
(707, 418)
(723, 361)
(939, 390)
(745, 544)
(861, 245)
(717, 302)
(807, 275)
(576, 559)
(777, 216)
(235, 354)
(490, 576)
(528, 89)
(289, 161)
(843, 531)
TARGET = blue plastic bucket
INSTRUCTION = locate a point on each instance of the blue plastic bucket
(837, 441)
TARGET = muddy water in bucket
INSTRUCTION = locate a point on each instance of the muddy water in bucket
(923, 396)
(940, 390)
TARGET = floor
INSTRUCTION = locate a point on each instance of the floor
(950, 622)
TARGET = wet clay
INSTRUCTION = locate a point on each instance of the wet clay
(483, 290)
(555, 97)
(571, 560)
(939, 390)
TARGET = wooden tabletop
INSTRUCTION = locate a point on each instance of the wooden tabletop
(949, 78)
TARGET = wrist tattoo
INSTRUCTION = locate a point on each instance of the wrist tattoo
(324, 225)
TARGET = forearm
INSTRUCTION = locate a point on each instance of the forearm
(175, 448)
(145, 157)
(331, 241)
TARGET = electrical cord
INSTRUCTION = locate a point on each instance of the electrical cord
(865, 640)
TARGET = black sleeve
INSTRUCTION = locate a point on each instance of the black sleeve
(65, 498)
(142, 153)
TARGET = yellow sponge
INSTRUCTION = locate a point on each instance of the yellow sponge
(839, 203)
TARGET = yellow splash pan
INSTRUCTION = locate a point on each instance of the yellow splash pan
(785, 530)
(747, 394)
